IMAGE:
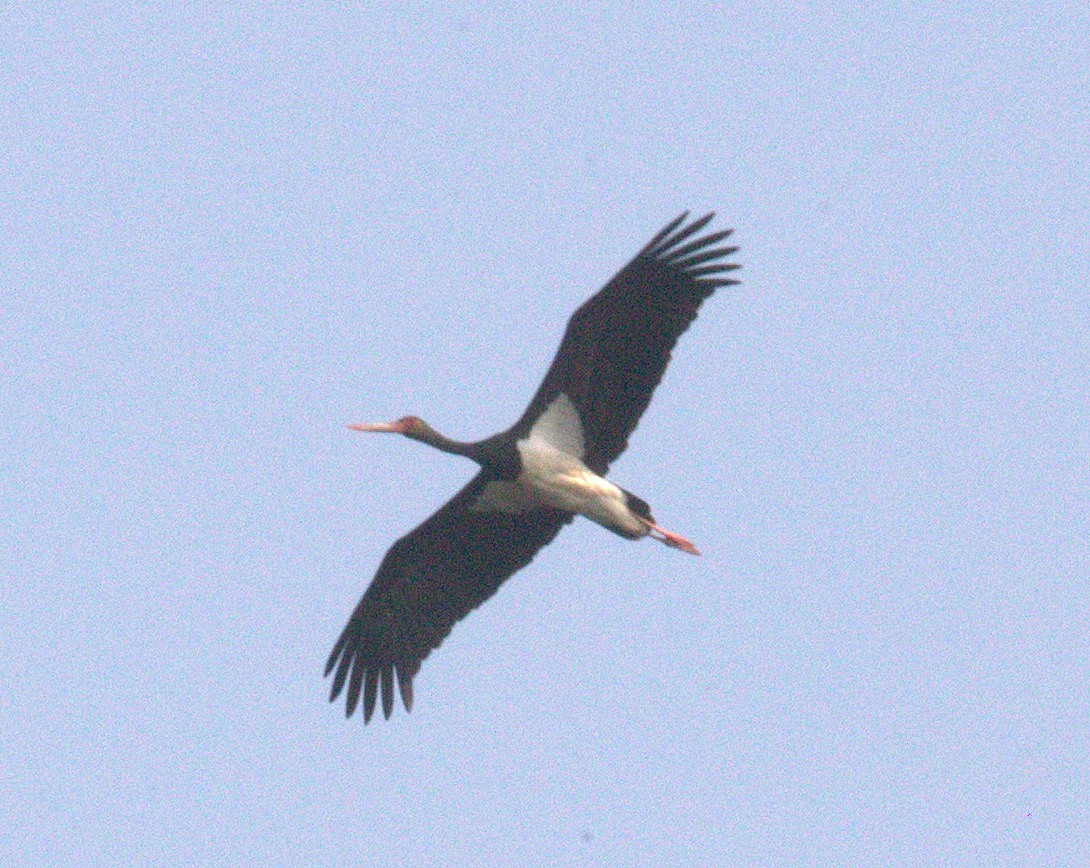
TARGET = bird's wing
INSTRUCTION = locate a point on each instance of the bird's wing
(618, 343)
(429, 580)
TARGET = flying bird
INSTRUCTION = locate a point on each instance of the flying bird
(536, 476)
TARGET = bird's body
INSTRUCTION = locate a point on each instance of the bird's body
(536, 476)
(551, 473)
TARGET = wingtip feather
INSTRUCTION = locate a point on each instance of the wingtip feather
(677, 255)
(406, 685)
(335, 653)
(370, 694)
(662, 233)
(673, 240)
(387, 690)
(339, 677)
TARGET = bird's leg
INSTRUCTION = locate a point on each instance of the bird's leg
(671, 539)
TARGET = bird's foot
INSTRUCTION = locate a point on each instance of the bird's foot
(675, 541)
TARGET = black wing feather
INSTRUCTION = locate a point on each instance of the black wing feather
(429, 580)
(618, 343)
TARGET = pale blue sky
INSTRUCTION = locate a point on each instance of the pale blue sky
(224, 235)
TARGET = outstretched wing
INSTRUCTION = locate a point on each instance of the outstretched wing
(429, 580)
(618, 343)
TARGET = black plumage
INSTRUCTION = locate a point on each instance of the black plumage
(613, 355)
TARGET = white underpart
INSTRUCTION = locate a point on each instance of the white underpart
(560, 427)
(554, 474)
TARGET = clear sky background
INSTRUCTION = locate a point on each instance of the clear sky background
(225, 234)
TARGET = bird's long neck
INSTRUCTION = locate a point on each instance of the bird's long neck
(426, 434)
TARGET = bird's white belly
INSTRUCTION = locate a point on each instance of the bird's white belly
(557, 479)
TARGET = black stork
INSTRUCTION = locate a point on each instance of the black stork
(539, 474)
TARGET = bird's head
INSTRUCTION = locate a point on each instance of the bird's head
(412, 427)
(416, 428)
